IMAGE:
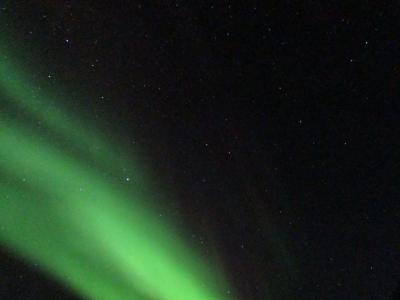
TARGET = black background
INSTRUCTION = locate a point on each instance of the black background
(272, 127)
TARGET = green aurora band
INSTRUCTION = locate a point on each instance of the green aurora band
(68, 206)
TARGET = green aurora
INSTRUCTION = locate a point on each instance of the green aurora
(79, 208)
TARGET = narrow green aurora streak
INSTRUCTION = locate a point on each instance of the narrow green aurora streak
(62, 209)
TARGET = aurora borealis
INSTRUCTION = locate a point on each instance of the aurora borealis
(78, 208)
(199, 150)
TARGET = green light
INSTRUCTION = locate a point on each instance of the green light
(69, 210)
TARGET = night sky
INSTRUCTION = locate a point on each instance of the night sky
(269, 130)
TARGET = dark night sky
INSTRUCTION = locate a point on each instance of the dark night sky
(272, 126)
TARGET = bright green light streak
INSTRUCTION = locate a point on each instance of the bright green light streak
(58, 212)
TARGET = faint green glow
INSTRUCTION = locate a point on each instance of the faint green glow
(66, 210)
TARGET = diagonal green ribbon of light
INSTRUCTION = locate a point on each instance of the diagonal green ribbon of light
(63, 209)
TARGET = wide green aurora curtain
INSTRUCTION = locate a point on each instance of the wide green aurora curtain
(77, 206)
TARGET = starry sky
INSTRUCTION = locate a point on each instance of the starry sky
(267, 128)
